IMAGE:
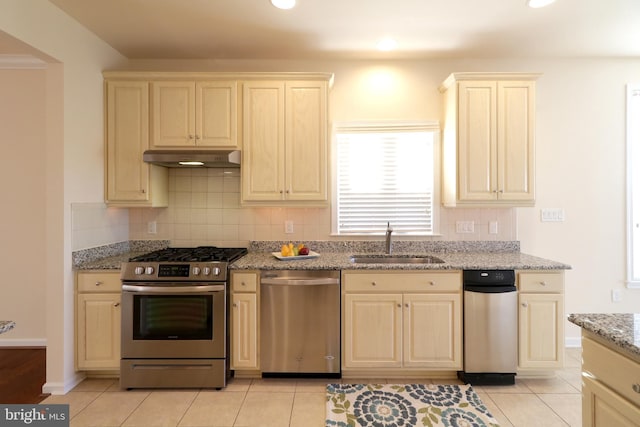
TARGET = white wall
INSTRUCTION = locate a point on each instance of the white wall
(580, 151)
(22, 191)
(73, 163)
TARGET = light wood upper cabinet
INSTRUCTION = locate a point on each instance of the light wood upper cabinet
(284, 157)
(489, 139)
(194, 114)
(130, 182)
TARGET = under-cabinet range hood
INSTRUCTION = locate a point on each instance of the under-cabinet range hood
(193, 158)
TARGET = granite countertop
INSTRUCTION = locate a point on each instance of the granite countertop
(6, 325)
(619, 329)
(113, 262)
(452, 261)
(335, 255)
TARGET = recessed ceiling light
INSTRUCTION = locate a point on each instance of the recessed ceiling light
(539, 3)
(387, 44)
(283, 4)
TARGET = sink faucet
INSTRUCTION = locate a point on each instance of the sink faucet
(387, 241)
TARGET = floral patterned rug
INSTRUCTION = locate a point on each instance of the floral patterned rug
(406, 405)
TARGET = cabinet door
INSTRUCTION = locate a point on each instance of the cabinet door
(244, 333)
(432, 331)
(541, 331)
(127, 139)
(98, 331)
(216, 114)
(306, 141)
(263, 141)
(372, 331)
(173, 117)
(602, 407)
(516, 119)
(477, 141)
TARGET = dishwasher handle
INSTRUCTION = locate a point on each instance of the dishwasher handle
(286, 281)
(495, 289)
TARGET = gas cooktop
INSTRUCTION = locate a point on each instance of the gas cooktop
(197, 254)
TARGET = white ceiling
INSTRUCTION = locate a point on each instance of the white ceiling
(253, 29)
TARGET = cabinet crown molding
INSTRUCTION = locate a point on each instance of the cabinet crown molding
(210, 75)
(456, 77)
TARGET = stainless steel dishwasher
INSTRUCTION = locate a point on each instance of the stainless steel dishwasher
(490, 327)
(300, 323)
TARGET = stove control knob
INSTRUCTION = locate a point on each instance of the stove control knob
(216, 271)
(196, 271)
(206, 271)
(149, 270)
(139, 270)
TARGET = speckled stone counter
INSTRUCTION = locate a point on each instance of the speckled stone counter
(110, 257)
(6, 325)
(618, 329)
(456, 256)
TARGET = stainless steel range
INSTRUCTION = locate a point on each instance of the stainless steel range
(174, 318)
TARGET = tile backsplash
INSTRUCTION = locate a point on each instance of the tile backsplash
(95, 224)
(204, 209)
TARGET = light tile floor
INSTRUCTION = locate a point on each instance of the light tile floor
(301, 403)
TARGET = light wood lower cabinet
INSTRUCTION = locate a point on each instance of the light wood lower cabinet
(98, 320)
(541, 320)
(402, 320)
(244, 321)
(610, 386)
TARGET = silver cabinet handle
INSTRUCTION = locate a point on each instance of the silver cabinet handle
(432, 283)
(524, 304)
(636, 388)
(543, 283)
(116, 304)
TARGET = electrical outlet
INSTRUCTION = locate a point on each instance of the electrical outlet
(464, 227)
(152, 227)
(288, 227)
(616, 295)
(493, 227)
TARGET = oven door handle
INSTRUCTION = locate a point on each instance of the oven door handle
(172, 289)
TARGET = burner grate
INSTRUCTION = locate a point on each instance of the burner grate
(197, 254)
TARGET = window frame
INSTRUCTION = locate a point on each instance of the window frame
(633, 185)
(388, 126)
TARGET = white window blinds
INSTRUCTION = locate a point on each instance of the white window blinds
(385, 174)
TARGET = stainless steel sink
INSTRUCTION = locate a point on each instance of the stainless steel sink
(395, 259)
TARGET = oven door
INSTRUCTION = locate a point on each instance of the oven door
(173, 320)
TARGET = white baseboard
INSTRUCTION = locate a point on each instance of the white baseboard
(24, 342)
(573, 342)
(62, 388)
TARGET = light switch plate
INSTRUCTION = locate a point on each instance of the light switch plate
(493, 227)
(152, 227)
(552, 215)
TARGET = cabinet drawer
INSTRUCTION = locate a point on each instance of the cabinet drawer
(244, 282)
(541, 282)
(99, 282)
(383, 281)
(612, 369)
